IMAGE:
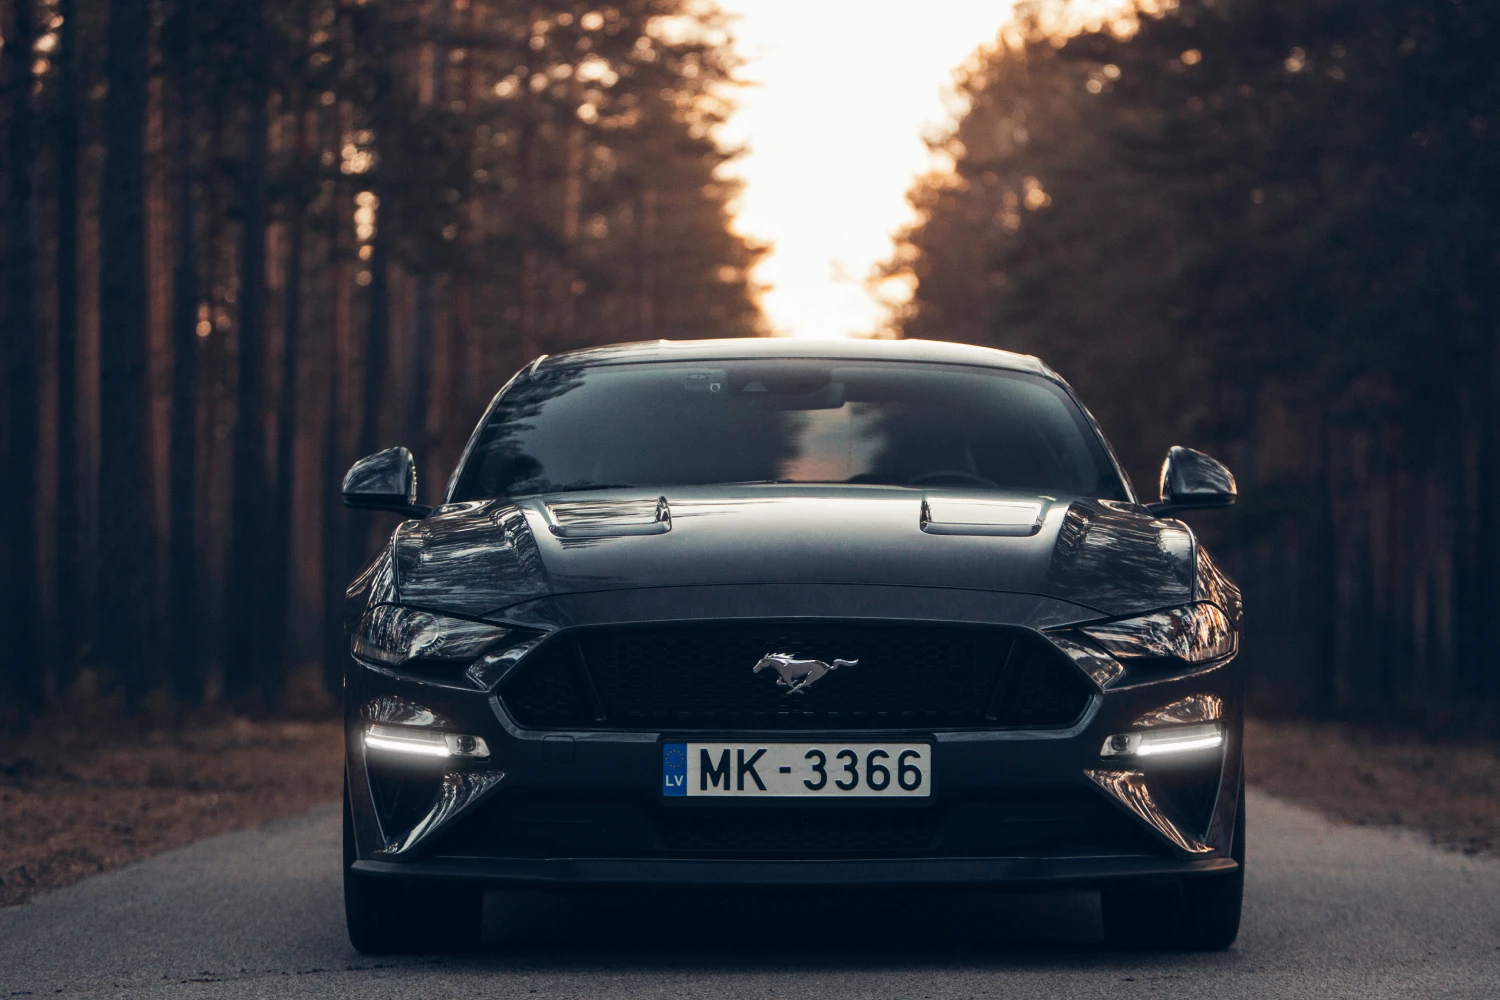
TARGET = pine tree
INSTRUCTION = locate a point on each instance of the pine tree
(1265, 229)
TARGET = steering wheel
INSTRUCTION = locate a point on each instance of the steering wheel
(937, 478)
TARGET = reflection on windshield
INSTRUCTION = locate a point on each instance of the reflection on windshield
(785, 420)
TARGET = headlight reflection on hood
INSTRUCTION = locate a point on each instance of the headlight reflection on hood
(394, 637)
(1194, 633)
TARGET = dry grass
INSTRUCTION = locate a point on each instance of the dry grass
(91, 798)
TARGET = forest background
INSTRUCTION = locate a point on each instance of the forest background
(1269, 229)
(247, 241)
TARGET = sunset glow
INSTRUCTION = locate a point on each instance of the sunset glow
(844, 92)
(834, 130)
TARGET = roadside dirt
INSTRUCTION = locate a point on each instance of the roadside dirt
(74, 803)
(1370, 777)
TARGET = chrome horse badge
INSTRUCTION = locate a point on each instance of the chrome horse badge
(795, 675)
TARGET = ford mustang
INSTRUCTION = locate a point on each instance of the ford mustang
(781, 614)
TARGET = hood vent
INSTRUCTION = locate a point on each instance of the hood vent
(608, 518)
(959, 516)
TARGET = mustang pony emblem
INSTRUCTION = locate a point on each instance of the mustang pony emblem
(794, 674)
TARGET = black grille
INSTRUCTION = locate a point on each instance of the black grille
(701, 677)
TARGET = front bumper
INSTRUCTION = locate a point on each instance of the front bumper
(583, 808)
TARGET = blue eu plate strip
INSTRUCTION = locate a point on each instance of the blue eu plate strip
(674, 768)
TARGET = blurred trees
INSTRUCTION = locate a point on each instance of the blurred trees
(1269, 229)
(246, 240)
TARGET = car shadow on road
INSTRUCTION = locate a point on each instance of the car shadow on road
(760, 932)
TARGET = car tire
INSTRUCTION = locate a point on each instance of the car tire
(1200, 914)
(386, 916)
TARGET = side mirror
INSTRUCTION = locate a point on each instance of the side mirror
(1191, 480)
(386, 480)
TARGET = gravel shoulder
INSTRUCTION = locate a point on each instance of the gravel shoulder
(77, 800)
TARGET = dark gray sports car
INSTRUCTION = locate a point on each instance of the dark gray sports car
(770, 613)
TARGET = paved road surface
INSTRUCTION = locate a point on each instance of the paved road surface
(1330, 912)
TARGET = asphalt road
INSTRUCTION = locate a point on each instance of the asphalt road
(1330, 911)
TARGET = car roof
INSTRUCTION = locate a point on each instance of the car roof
(749, 348)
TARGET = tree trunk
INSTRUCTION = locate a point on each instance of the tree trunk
(65, 645)
(646, 250)
(528, 155)
(247, 674)
(1324, 559)
(335, 533)
(187, 669)
(1487, 497)
(22, 607)
(282, 575)
(572, 207)
(425, 342)
(456, 389)
(374, 357)
(372, 394)
(425, 325)
(126, 527)
(377, 340)
(377, 328)
(336, 528)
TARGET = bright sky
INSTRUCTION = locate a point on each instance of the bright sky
(846, 91)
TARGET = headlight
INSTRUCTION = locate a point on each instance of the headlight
(395, 636)
(1195, 633)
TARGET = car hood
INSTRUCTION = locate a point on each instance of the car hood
(479, 558)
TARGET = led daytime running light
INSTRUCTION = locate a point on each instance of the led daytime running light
(1162, 742)
(424, 742)
(1150, 748)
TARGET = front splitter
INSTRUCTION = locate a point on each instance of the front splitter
(1019, 873)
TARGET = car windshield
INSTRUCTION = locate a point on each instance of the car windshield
(786, 421)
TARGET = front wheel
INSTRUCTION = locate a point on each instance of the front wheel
(1201, 914)
(385, 916)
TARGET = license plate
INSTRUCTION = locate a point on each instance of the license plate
(776, 770)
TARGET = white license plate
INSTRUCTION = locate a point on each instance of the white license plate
(774, 770)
